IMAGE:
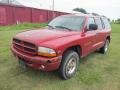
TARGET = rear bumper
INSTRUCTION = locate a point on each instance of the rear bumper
(37, 62)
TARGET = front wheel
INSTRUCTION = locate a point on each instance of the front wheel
(69, 64)
(104, 49)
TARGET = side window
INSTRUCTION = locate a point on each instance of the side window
(99, 23)
(90, 21)
(106, 23)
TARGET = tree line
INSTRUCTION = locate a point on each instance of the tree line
(117, 21)
(82, 10)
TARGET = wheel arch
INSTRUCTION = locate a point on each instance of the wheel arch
(76, 48)
(109, 38)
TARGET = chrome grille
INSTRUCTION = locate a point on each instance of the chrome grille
(24, 47)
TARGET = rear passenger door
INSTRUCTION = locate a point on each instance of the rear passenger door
(103, 29)
(99, 33)
(106, 28)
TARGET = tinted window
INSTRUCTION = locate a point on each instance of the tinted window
(69, 22)
(106, 23)
(99, 23)
(90, 21)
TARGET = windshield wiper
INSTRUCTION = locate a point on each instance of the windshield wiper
(63, 27)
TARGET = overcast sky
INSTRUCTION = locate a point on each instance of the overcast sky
(109, 8)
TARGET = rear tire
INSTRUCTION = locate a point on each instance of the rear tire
(69, 65)
(104, 49)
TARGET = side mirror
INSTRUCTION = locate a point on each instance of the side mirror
(93, 27)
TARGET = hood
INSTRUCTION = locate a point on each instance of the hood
(43, 35)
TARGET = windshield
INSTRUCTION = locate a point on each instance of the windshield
(68, 22)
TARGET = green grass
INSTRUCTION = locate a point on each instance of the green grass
(96, 71)
(22, 26)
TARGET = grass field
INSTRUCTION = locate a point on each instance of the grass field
(96, 71)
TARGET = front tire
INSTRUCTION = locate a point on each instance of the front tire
(69, 64)
(104, 49)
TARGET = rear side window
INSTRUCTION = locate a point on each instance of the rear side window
(99, 23)
(106, 23)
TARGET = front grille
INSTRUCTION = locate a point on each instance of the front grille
(24, 47)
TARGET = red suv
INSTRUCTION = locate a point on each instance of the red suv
(62, 44)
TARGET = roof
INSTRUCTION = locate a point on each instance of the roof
(6, 4)
(69, 12)
(32, 4)
(13, 2)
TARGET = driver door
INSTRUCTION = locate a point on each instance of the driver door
(90, 38)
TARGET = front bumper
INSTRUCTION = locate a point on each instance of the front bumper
(38, 62)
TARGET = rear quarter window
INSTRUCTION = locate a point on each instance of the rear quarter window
(106, 23)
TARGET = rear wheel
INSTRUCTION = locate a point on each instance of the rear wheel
(104, 49)
(69, 64)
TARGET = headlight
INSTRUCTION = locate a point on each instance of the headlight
(43, 51)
